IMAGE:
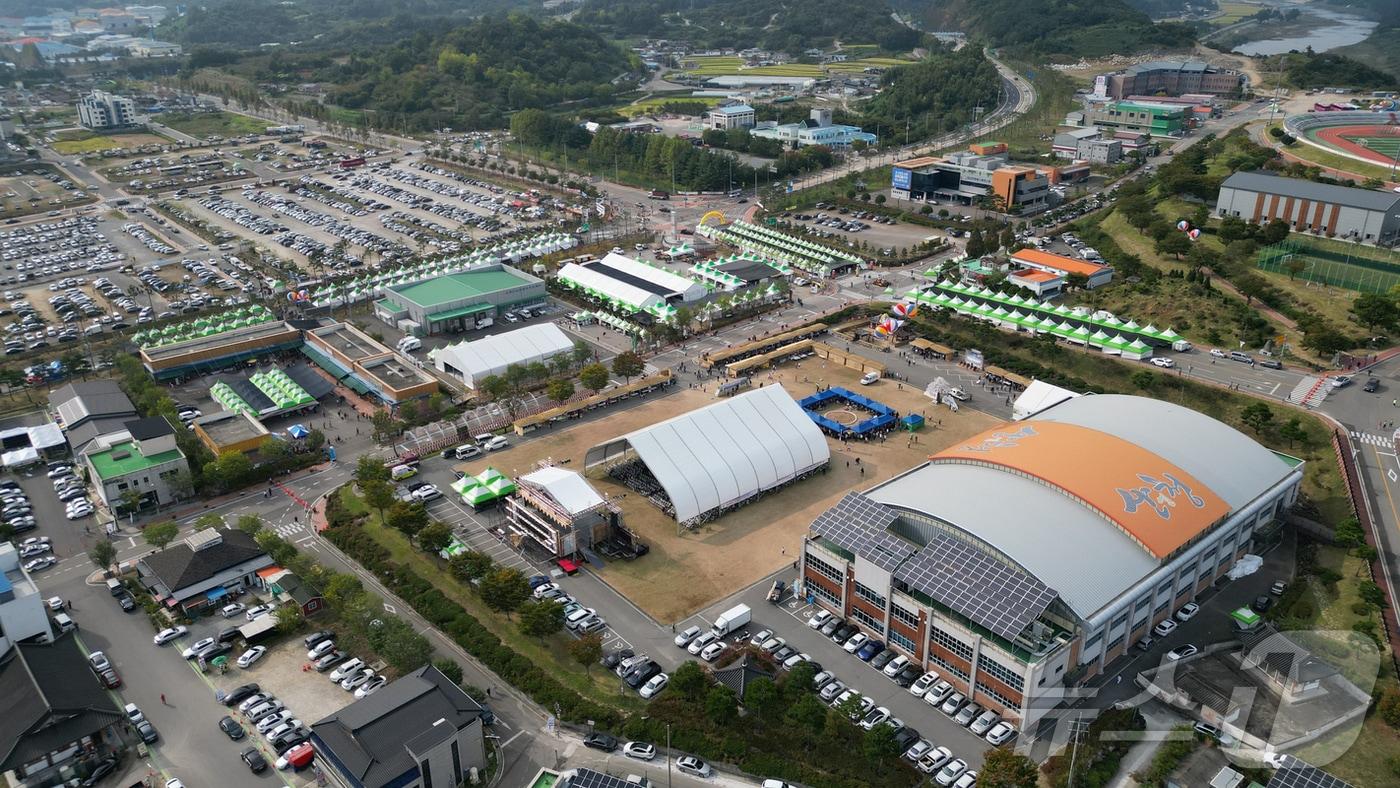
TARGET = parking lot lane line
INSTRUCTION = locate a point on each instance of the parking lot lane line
(517, 735)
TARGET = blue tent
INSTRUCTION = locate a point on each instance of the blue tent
(298, 431)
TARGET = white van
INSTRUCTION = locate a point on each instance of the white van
(409, 344)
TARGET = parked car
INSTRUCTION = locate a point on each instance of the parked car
(1187, 612)
(819, 619)
(255, 760)
(1000, 733)
(1182, 652)
(921, 686)
(600, 741)
(247, 658)
(686, 635)
(231, 728)
(654, 685)
(639, 750)
(689, 764)
(232, 609)
(1164, 628)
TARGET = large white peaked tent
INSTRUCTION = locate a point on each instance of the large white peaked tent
(725, 453)
(488, 356)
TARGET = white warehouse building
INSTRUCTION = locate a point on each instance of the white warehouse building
(630, 283)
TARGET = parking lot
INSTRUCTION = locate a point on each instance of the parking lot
(854, 226)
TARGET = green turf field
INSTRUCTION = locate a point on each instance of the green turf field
(1365, 269)
(1387, 146)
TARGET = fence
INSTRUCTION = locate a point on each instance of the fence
(1351, 266)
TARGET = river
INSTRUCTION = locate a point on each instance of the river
(1335, 29)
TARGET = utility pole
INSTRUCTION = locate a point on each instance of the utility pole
(668, 755)
(1076, 728)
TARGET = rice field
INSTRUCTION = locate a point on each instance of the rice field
(1231, 13)
(653, 105)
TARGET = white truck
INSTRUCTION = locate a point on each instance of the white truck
(731, 620)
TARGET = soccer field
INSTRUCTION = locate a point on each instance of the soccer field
(1388, 146)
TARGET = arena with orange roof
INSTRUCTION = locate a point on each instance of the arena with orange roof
(1047, 547)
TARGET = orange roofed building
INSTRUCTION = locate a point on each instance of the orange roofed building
(1097, 274)
(1028, 559)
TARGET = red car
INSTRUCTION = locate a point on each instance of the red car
(569, 567)
(109, 677)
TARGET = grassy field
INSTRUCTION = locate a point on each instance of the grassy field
(77, 143)
(551, 656)
(208, 124)
(1233, 12)
(723, 65)
(716, 66)
(1327, 158)
(654, 104)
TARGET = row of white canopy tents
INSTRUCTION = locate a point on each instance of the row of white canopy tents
(366, 286)
(775, 245)
(1124, 338)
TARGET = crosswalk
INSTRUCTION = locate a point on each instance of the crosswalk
(288, 531)
(1383, 441)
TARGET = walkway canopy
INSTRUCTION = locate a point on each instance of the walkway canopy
(725, 453)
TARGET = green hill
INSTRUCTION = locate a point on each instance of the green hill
(1069, 28)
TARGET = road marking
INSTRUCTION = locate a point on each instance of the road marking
(517, 735)
(1390, 498)
(388, 608)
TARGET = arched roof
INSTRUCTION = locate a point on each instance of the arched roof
(724, 453)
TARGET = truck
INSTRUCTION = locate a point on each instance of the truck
(731, 620)
(775, 594)
(657, 194)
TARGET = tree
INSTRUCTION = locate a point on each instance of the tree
(582, 352)
(879, 744)
(587, 650)
(408, 518)
(315, 440)
(540, 619)
(763, 698)
(1326, 341)
(1293, 431)
(434, 537)
(628, 365)
(289, 618)
(1076, 281)
(470, 565)
(721, 707)
(505, 590)
(102, 554)
(1006, 769)
(181, 484)
(1257, 416)
(208, 520)
(1275, 232)
(369, 468)
(1348, 533)
(158, 535)
(250, 524)
(1375, 310)
(449, 668)
(1143, 379)
(689, 680)
(559, 390)
(385, 425)
(398, 644)
(340, 588)
(130, 499)
(594, 377)
(808, 713)
(1175, 244)
(378, 495)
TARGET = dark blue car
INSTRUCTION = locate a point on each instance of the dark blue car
(869, 650)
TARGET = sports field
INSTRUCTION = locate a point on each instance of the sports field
(1365, 269)
(1380, 144)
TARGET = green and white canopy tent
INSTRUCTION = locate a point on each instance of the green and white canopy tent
(498, 483)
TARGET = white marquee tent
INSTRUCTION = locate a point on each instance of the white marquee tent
(488, 356)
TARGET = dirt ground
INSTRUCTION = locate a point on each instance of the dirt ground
(307, 693)
(687, 571)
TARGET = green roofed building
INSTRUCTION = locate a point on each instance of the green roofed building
(1158, 120)
(141, 457)
(457, 302)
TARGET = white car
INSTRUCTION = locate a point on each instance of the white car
(247, 658)
(346, 669)
(869, 378)
(921, 685)
(857, 640)
(819, 618)
(917, 750)
(1166, 627)
(950, 772)
(273, 720)
(543, 590)
(934, 759)
(689, 764)
(894, 666)
(874, 717)
(968, 780)
(1217, 352)
(78, 512)
(795, 660)
(576, 618)
(370, 687)
(697, 645)
(99, 660)
(354, 680)
(40, 563)
(639, 750)
(427, 493)
(166, 635)
(255, 613)
(686, 635)
(984, 722)
(133, 713)
(1187, 612)
(712, 651)
(1000, 733)
(1163, 362)
(495, 443)
(321, 649)
(654, 686)
(232, 609)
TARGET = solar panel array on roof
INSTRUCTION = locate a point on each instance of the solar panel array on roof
(251, 394)
(587, 778)
(977, 585)
(1293, 773)
(861, 525)
(315, 384)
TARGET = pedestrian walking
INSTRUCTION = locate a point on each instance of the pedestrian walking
(162, 700)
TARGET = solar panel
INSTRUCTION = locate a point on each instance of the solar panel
(588, 778)
(861, 526)
(976, 585)
(1293, 773)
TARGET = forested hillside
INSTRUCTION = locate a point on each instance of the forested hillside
(787, 25)
(1071, 28)
(319, 23)
(475, 75)
(1167, 9)
(935, 95)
